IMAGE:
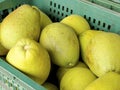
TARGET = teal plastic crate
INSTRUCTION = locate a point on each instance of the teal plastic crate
(99, 18)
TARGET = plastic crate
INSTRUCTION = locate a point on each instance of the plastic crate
(99, 18)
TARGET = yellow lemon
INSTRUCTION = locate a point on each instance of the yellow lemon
(31, 58)
(3, 50)
(108, 81)
(102, 54)
(84, 39)
(77, 22)
(62, 70)
(50, 86)
(76, 79)
(62, 44)
(44, 19)
(22, 22)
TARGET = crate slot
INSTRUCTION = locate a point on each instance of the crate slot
(54, 4)
(54, 11)
(94, 20)
(58, 6)
(104, 24)
(67, 9)
(99, 22)
(62, 7)
(108, 27)
(62, 14)
(58, 12)
(97, 28)
(4, 13)
(89, 18)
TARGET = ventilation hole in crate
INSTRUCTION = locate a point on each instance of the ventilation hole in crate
(66, 15)
(0, 18)
(58, 12)
(62, 14)
(89, 18)
(111, 7)
(94, 20)
(63, 7)
(54, 11)
(50, 9)
(67, 9)
(58, 6)
(109, 27)
(19, 5)
(14, 78)
(84, 16)
(50, 3)
(16, 6)
(97, 28)
(71, 11)
(104, 24)
(54, 4)
(5, 13)
(98, 22)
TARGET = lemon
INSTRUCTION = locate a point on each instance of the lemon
(84, 39)
(62, 70)
(77, 22)
(44, 19)
(77, 79)
(50, 86)
(3, 50)
(103, 53)
(62, 44)
(31, 58)
(24, 21)
(108, 81)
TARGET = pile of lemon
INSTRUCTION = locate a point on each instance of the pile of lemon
(80, 58)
